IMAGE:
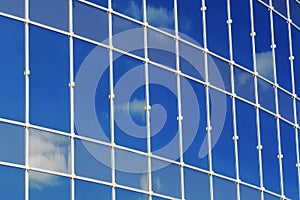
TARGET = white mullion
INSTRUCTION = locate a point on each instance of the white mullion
(257, 107)
(111, 97)
(71, 90)
(147, 93)
(208, 128)
(180, 117)
(273, 46)
(291, 58)
(235, 136)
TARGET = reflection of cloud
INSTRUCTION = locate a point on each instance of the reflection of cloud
(47, 151)
(135, 107)
(134, 10)
(157, 183)
(264, 64)
(144, 182)
(243, 78)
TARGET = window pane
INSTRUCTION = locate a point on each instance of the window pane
(92, 160)
(248, 193)
(224, 188)
(266, 96)
(295, 10)
(47, 186)
(53, 13)
(133, 8)
(244, 84)
(280, 6)
(296, 52)
(12, 85)
(90, 22)
(129, 104)
(11, 183)
(286, 108)
(12, 143)
(126, 194)
(14, 7)
(92, 191)
(219, 73)
(49, 151)
(100, 2)
(49, 78)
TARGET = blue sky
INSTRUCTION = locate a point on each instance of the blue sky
(49, 100)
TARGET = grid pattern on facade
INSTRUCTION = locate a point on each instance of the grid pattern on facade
(227, 76)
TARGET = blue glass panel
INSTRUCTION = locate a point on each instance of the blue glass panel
(217, 30)
(11, 183)
(133, 8)
(191, 61)
(12, 85)
(295, 10)
(247, 143)
(54, 13)
(219, 73)
(296, 52)
(100, 2)
(270, 164)
(196, 185)
(283, 68)
(224, 188)
(92, 105)
(298, 110)
(12, 148)
(244, 84)
(264, 63)
(195, 142)
(222, 133)
(290, 171)
(92, 160)
(92, 191)
(53, 187)
(49, 151)
(49, 78)
(14, 7)
(270, 197)
(280, 6)
(266, 96)
(161, 48)
(160, 13)
(129, 104)
(248, 193)
(128, 36)
(163, 101)
(190, 20)
(241, 28)
(90, 22)
(166, 180)
(131, 169)
(286, 108)
(126, 194)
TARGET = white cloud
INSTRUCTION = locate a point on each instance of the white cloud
(134, 10)
(243, 78)
(47, 151)
(264, 64)
(136, 107)
(157, 183)
(144, 182)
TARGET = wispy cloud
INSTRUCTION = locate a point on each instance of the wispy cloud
(264, 64)
(47, 151)
(136, 107)
(134, 10)
(144, 182)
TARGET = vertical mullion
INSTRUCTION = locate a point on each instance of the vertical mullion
(208, 128)
(237, 174)
(291, 58)
(273, 46)
(259, 145)
(180, 117)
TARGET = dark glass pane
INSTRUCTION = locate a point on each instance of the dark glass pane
(132, 8)
(295, 11)
(92, 191)
(12, 143)
(296, 52)
(100, 2)
(49, 78)
(12, 87)
(244, 84)
(54, 13)
(224, 188)
(280, 6)
(14, 7)
(286, 108)
(266, 96)
(122, 194)
(248, 193)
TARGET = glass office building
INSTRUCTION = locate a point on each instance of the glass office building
(149, 99)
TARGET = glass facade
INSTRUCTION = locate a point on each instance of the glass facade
(149, 99)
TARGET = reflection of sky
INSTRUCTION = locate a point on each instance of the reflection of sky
(49, 98)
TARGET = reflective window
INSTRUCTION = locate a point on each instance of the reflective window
(49, 151)
(14, 7)
(133, 8)
(12, 87)
(270, 197)
(163, 113)
(224, 188)
(53, 13)
(100, 2)
(270, 164)
(280, 6)
(90, 22)
(244, 84)
(196, 185)
(129, 104)
(295, 10)
(160, 13)
(286, 108)
(217, 29)
(247, 143)
(131, 169)
(122, 194)
(296, 52)
(92, 191)
(12, 143)
(92, 160)
(165, 178)
(11, 183)
(47, 186)
(248, 193)
(49, 78)
(266, 96)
